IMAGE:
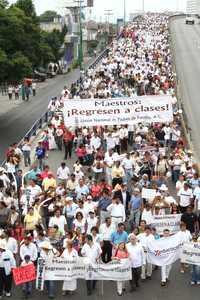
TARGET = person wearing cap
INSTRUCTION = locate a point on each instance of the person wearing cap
(7, 262)
(28, 248)
(48, 252)
(135, 206)
(165, 270)
(137, 259)
(69, 286)
(144, 238)
(89, 205)
(69, 211)
(92, 251)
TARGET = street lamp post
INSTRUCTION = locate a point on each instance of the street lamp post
(80, 52)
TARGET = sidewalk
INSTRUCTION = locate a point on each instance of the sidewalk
(7, 105)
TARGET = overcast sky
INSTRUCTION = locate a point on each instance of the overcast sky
(116, 5)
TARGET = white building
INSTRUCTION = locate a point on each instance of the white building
(193, 7)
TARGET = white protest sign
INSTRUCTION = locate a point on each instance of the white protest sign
(164, 251)
(148, 194)
(191, 253)
(62, 269)
(171, 222)
(118, 111)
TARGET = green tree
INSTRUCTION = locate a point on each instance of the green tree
(3, 3)
(48, 16)
(20, 66)
(27, 6)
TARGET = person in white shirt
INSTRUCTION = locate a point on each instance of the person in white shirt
(165, 270)
(4, 178)
(109, 161)
(91, 221)
(137, 258)
(7, 262)
(48, 252)
(185, 237)
(89, 205)
(95, 142)
(33, 190)
(69, 286)
(28, 248)
(92, 251)
(127, 164)
(185, 197)
(63, 173)
(26, 149)
(11, 243)
(147, 214)
(196, 194)
(58, 220)
(144, 238)
(117, 212)
(105, 231)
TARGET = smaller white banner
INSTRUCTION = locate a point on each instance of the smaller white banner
(148, 194)
(164, 251)
(191, 253)
(171, 222)
(59, 268)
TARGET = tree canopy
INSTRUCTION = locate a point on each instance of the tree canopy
(48, 16)
(23, 45)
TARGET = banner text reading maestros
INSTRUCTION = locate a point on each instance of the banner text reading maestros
(94, 112)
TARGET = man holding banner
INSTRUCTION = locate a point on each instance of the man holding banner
(91, 251)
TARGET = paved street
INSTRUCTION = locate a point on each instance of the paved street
(186, 40)
(16, 122)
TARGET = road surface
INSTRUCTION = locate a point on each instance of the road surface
(186, 44)
(15, 123)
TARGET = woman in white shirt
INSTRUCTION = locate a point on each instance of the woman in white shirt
(79, 222)
(69, 286)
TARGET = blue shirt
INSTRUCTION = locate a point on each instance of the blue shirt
(135, 202)
(119, 237)
(104, 202)
(81, 190)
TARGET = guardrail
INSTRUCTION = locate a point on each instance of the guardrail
(46, 117)
(184, 118)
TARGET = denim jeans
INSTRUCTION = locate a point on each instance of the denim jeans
(27, 159)
(195, 273)
(50, 285)
(27, 287)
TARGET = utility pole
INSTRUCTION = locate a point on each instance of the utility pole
(143, 6)
(108, 13)
(77, 7)
(124, 13)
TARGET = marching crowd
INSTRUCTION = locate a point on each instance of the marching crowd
(92, 205)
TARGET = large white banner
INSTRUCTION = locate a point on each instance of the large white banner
(171, 222)
(118, 111)
(164, 251)
(191, 253)
(59, 268)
